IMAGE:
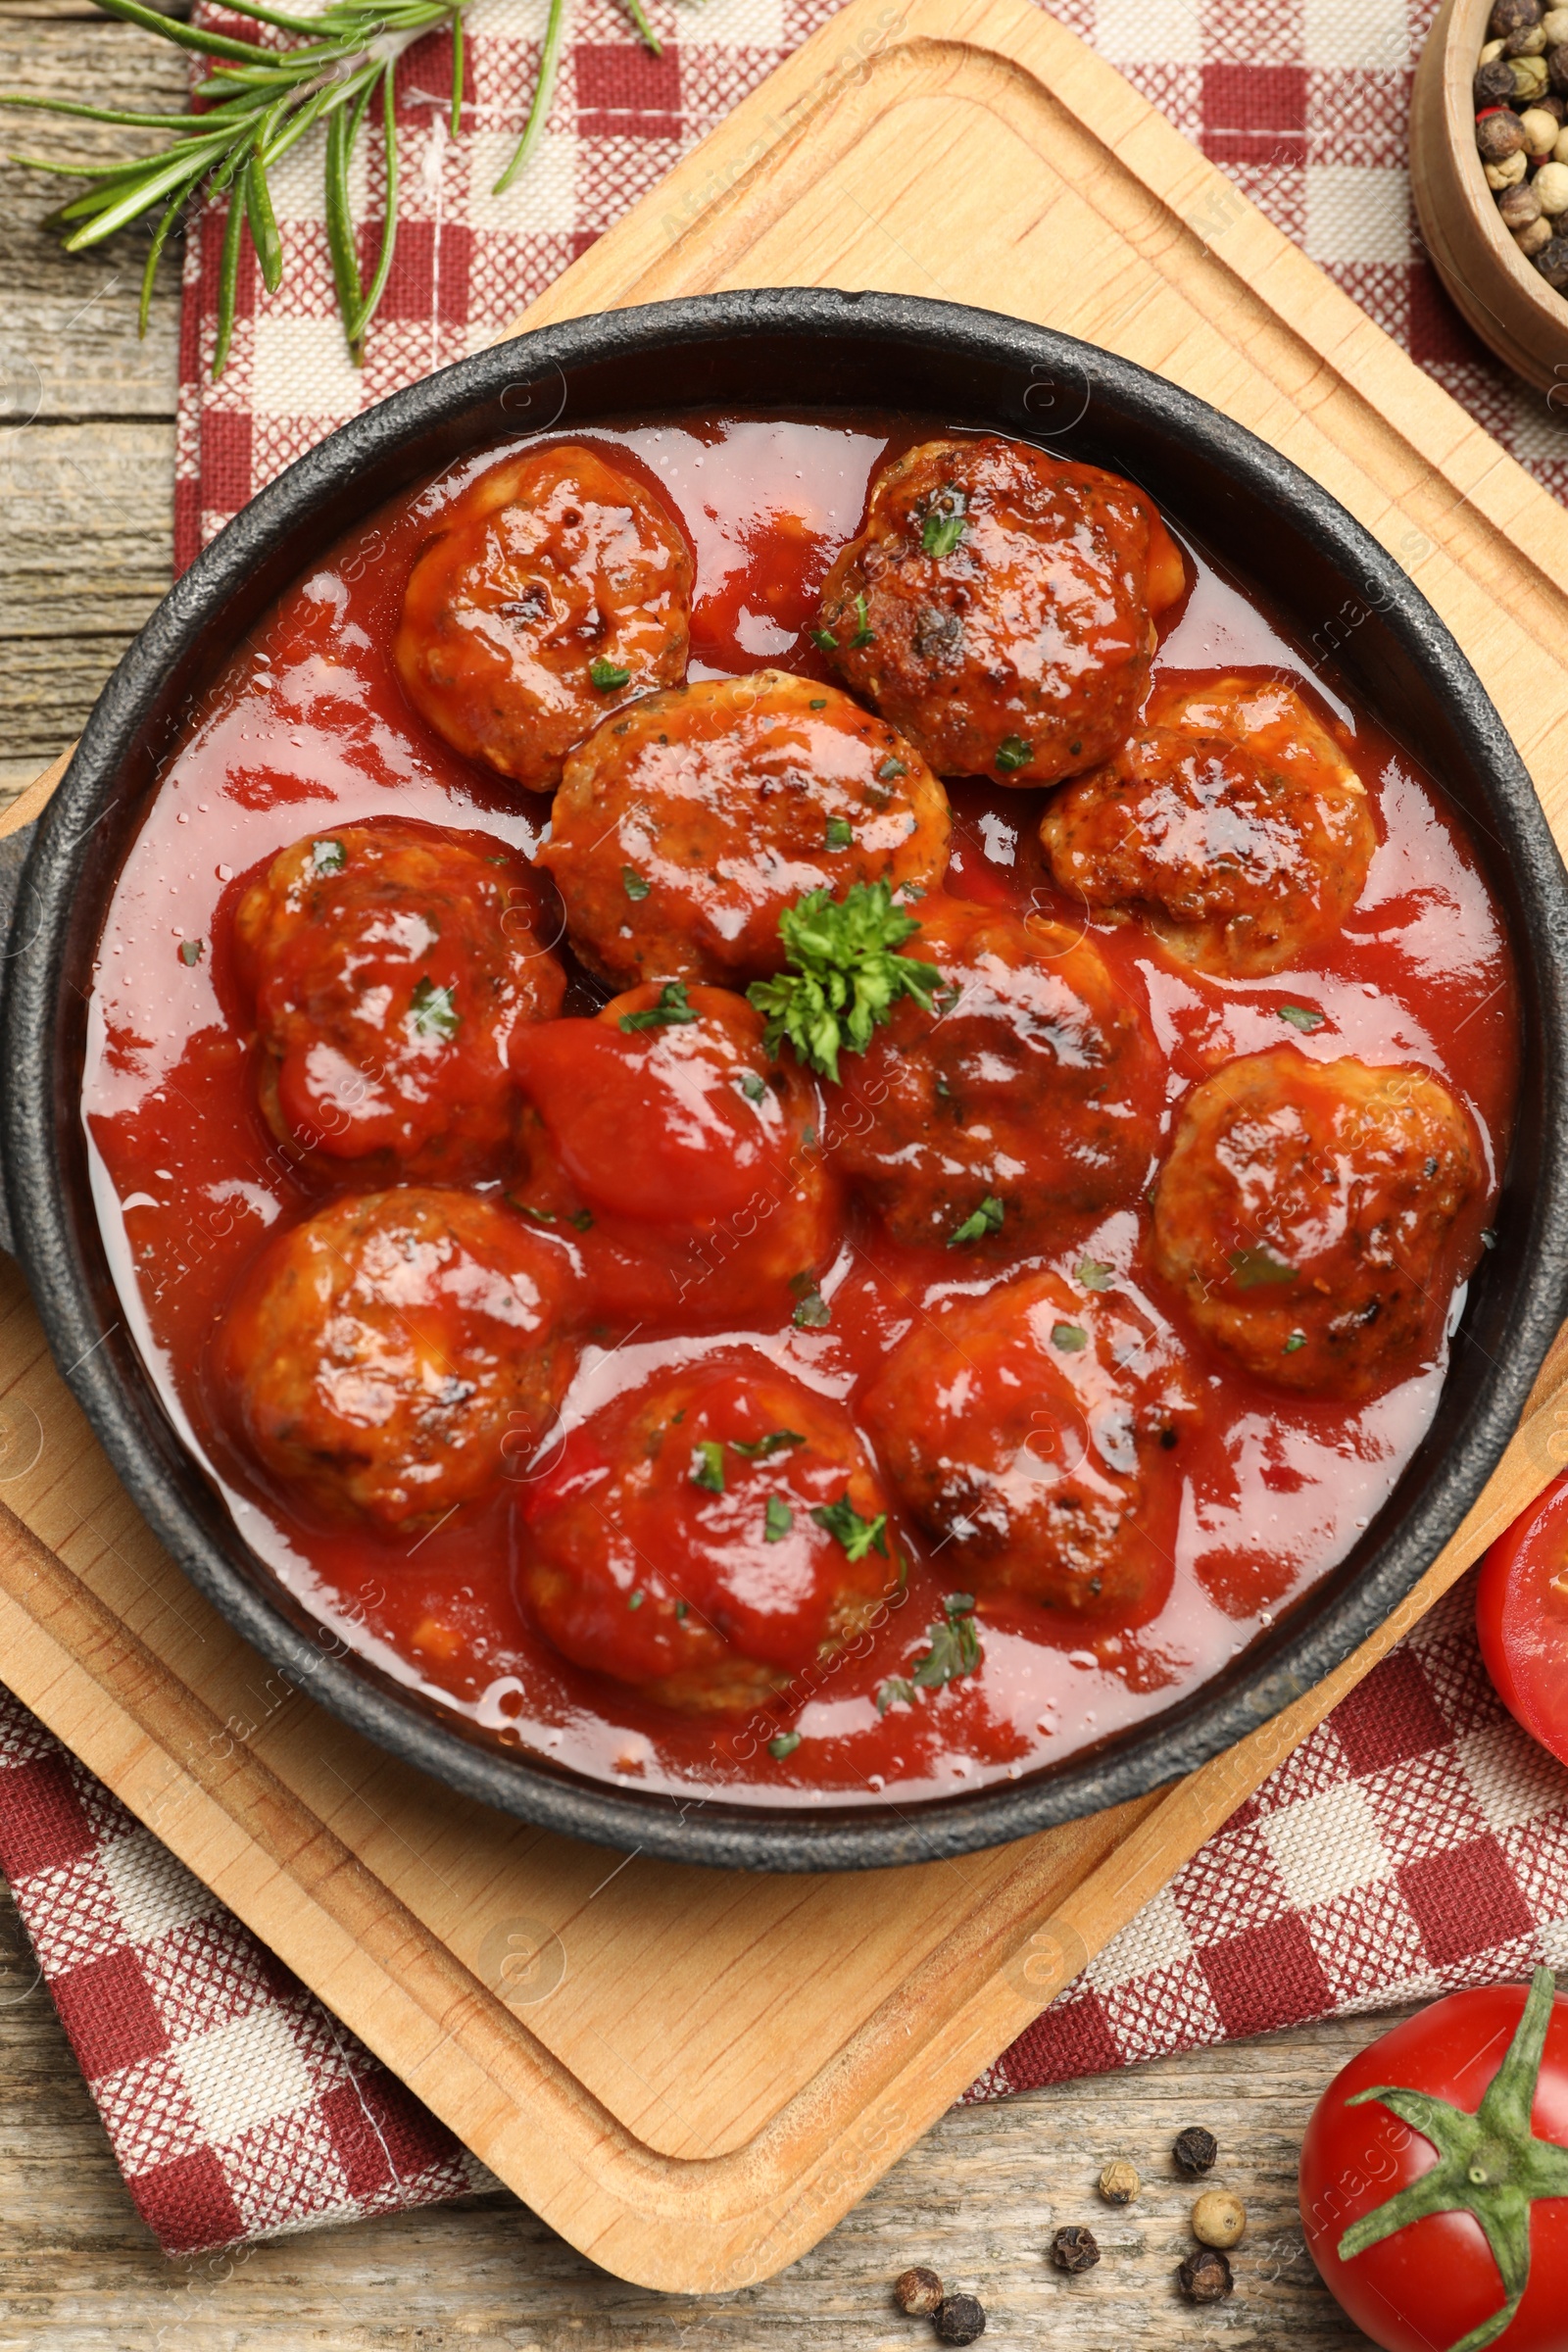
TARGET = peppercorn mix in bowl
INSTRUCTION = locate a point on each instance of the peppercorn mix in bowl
(1489, 172)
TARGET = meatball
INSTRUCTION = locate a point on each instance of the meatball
(1306, 1214)
(1244, 840)
(996, 608)
(709, 1538)
(663, 1127)
(558, 588)
(391, 967)
(1033, 1434)
(389, 1356)
(685, 828)
(1027, 1093)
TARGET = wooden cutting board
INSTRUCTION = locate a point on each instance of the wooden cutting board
(693, 2075)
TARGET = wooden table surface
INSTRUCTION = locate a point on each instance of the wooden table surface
(86, 439)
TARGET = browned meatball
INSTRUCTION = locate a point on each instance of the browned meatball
(685, 828)
(709, 1536)
(1033, 1433)
(1306, 1214)
(1244, 848)
(1027, 1093)
(391, 967)
(559, 588)
(382, 1357)
(996, 608)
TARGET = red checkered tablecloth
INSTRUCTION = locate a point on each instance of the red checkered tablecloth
(1417, 1840)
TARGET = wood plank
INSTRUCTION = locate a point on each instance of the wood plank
(725, 2067)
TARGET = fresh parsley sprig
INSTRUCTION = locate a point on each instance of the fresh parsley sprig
(848, 974)
(257, 103)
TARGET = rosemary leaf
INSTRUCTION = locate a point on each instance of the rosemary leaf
(389, 226)
(263, 223)
(544, 91)
(155, 253)
(650, 39)
(227, 286)
(186, 36)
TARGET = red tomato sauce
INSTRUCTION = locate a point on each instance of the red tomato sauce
(307, 727)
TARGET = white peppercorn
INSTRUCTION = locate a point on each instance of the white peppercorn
(1542, 131)
(1219, 2218)
(1534, 239)
(1508, 175)
(1555, 25)
(1551, 185)
(1492, 49)
(1560, 147)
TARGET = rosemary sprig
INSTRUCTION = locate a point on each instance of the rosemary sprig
(255, 105)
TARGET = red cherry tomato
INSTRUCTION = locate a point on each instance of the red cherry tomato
(1424, 2287)
(1522, 1619)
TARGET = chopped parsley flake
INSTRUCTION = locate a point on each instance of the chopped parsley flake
(671, 1011)
(940, 533)
(821, 706)
(777, 1520)
(894, 1691)
(583, 1220)
(813, 1313)
(634, 884)
(1070, 1338)
(848, 974)
(707, 1466)
(327, 857)
(607, 676)
(634, 1600)
(1012, 752)
(1298, 1339)
(682, 1608)
(753, 1085)
(843, 1522)
(890, 769)
(784, 1746)
(840, 833)
(1300, 1016)
(954, 1644)
(825, 643)
(986, 1219)
(1093, 1276)
(1251, 1267)
(433, 1011)
(864, 634)
(190, 951)
(758, 1449)
(540, 1216)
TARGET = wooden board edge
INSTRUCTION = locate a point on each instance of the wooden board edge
(33, 798)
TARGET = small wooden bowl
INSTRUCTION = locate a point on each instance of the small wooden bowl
(1510, 305)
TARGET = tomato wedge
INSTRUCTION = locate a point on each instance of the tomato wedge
(1522, 1618)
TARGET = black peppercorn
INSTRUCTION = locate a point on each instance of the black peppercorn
(1556, 67)
(1493, 82)
(1074, 2248)
(1499, 134)
(959, 2320)
(1553, 263)
(917, 2291)
(1556, 108)
(1206, 2277)
(1509, 15)
(1194, 2150)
